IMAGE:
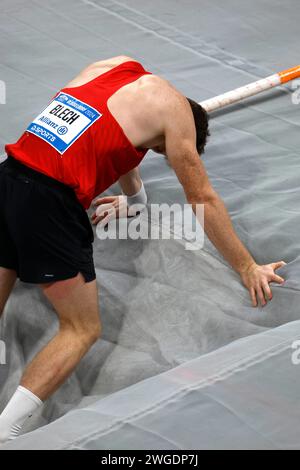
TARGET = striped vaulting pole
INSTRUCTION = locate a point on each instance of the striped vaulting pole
(252, 89)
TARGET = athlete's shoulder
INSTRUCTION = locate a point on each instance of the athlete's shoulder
(162, 93)
(112, 61)
(159, 103)
(159, 86)
(97, 68)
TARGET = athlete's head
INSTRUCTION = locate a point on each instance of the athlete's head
(201, 123)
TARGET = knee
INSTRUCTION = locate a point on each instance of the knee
(94, 333)
(90, 336)
(86, 334)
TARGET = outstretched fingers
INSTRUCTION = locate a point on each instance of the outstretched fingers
(253, 296)
(277, 279)
(260, 294)
(103, 200)
(278, 265)
(267, 290)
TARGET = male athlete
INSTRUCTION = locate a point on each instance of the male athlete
(94, 132)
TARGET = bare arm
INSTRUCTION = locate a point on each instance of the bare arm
(182, 154)
(131, 182)
(218, 226)
(110, 207)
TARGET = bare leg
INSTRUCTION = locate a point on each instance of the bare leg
(7, 281)
(76, 304)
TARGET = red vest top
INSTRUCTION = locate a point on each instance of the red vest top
(76, 140)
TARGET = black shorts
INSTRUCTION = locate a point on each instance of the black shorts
(45, 233)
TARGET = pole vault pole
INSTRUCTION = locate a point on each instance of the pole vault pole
(251, 89)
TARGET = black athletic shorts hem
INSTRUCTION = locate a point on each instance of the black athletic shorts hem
(45, 233)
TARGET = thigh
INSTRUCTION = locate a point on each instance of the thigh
(75, 302)
(7, 281)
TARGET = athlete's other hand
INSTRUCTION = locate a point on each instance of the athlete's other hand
(257, 278)
(109, 208)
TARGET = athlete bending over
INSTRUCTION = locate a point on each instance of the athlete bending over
(94, 132)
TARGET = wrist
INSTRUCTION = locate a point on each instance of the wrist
(137, 202)
(139, 198)
(246, 267)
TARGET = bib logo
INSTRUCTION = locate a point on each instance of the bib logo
(64, 98)
(62, 130)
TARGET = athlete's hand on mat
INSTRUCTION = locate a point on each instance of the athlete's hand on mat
(257, 278)
(109, 208)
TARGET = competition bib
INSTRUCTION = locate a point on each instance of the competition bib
(63, 121)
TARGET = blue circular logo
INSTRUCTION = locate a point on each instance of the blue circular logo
(62, 130)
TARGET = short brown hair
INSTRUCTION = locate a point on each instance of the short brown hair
(201, 122)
